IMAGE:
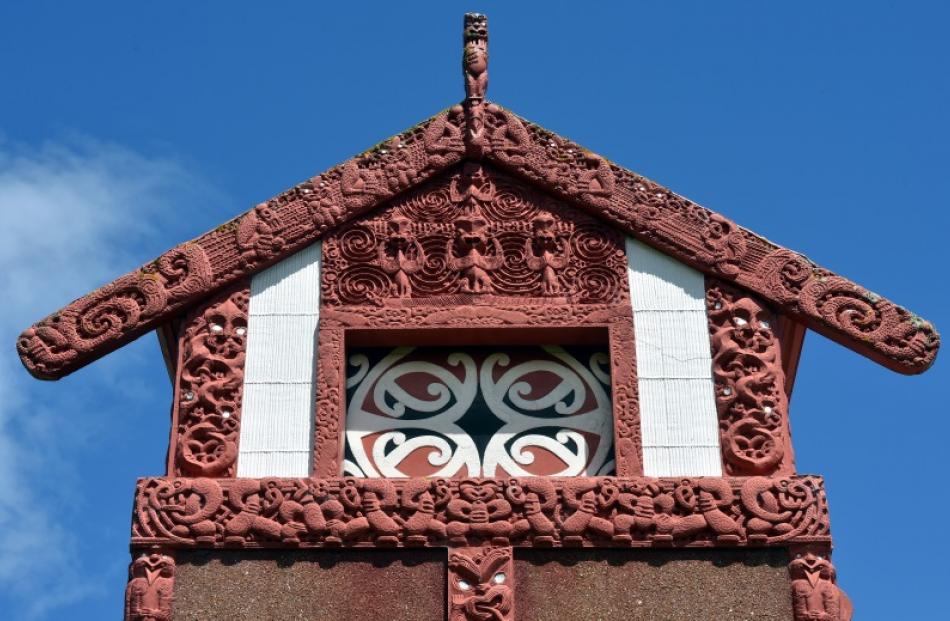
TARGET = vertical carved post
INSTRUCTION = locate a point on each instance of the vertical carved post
(481, 584)
(150, 593)
(815, 593)
(331, 403)
(210, 387)
(750, 383)
(475, 69)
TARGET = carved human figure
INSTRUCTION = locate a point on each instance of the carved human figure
(149, 594)
(474, 253)
(401, 254)
(479, 584)
(545, 253)
(815, 596)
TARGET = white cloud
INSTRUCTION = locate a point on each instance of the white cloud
(72, 216)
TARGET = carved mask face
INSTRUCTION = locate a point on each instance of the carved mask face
(752, 327)
(472, 231)
(479, 585)
(545, 236)
(226, 330)
(400, 231)
(811, 567)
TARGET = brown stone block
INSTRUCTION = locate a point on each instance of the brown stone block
(313, 585)
(652, 585)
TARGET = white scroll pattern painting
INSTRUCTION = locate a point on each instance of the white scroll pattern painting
(443, 412)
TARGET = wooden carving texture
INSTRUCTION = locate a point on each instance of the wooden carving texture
(212, 349)
(816, 595)
(749, 382)
(150, 593)
(593, 511)
(480, 584)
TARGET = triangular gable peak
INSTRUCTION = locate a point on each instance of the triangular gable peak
(476, 131)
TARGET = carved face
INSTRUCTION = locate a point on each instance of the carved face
(811, 567)
(400, 231)
(751, 325)
(545, 236)
(479, 585)
(226, 330)
(472, 231)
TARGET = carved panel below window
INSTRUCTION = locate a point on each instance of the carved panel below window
(479, 411)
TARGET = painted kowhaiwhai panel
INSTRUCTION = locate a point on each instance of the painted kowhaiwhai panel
(478, 411)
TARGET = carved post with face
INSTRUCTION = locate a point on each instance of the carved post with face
(149, 594)
(815, 593)
(475, 69)
(480, 584)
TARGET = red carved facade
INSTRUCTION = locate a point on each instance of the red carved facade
(477, 227)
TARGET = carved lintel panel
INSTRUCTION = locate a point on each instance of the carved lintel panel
(471, 234)
(816, 595)
(481, 584)
(210, 384)
(150, 593)
(749, 383)
(595, 511)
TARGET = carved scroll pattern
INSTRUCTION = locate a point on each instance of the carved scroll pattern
(542, 411)
(210, 386)
(714, 244)
(603, 511)
(749, 382)
(149, 595)
(480, 584)
(815, 592)
(473, 233)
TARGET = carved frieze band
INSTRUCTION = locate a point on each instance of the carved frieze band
(749, 382)
(212, 347)
(137, 302)
(150, 593)
(597, 511)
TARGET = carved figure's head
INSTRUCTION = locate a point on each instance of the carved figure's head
(480, 590)
(226, 329)
(812, 567)
(471, 231)
(399, 229)
(544, 231)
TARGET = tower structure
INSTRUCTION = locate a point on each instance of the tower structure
(480, 372)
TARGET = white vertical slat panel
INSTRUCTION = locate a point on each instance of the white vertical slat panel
(277, 413)
(678, 419)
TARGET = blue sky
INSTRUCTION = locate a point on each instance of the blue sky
(126, 128)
